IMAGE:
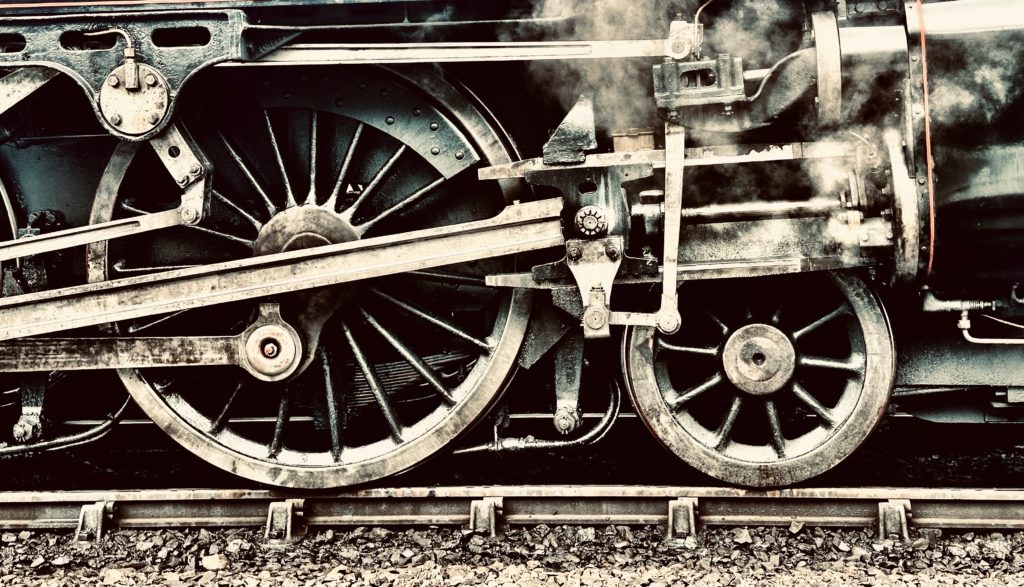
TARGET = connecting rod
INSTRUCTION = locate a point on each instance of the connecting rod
(517, 229)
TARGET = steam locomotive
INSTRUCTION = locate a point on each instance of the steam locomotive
(318, 241)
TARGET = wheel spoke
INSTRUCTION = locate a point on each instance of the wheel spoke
(120, 267)
(277, 443)
(840, 311)
(815, 406)
(447, 327)
(722, 326)
(446, 278)
(222, 419)
(723, 436)
(709, 351)
(280, 162)
(228, 237)
(271, 208)
(376, 388)
(237, 210)
(691, 394)
(333, 422)
(412, 358)
(151, 323)
(415, 197)
(311, 198)
(777, 314)
(775, 428)
(374, 183)
(332, 202)
(248, 243)
(851, 365)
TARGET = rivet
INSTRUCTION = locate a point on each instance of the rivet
(922, 180)
(416, 112)
(460, 155)
(434, 126)
(435, 151)
(390, 120)
(339, 101)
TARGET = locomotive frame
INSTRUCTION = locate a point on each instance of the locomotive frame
(356, 236)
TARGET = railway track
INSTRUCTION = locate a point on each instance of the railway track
(486, 510)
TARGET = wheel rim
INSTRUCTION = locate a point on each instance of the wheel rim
(405, 364)
(766, 391)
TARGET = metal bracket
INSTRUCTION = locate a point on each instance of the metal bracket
(484, 515)
(667, 319)
(286, 521)
(32, 423)
(16, 86)
(682, 518)
(182, 158)
(568, 372)
(594, 265)
(49, 43)
(893, 516)
(576, 135)
(93, 520)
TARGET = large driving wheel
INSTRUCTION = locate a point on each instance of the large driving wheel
(769, 382)
(402, 365)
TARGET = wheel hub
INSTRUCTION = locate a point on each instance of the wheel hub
(303, 227)
(759, 359)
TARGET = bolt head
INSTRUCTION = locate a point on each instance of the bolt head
(591, 221)
(575, 253)
(113, 81)
(595, 319)
(189, 215)
(150, 80)
(183, 181)
(195, 169)
(116, 119)
(270, 349)
(613, 252)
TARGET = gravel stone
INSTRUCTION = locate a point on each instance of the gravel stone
(540, 556)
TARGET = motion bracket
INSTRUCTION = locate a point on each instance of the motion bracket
(186, 164)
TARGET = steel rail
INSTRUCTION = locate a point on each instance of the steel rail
(681, 509)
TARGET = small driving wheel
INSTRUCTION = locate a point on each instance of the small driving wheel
(770, 381)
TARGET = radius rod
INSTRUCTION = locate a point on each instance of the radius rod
(519, 228)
